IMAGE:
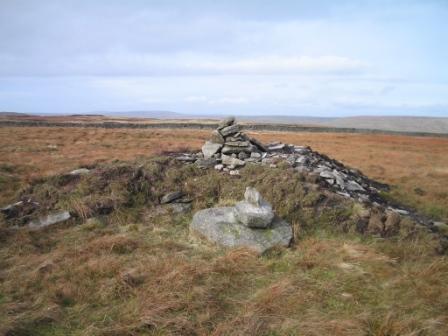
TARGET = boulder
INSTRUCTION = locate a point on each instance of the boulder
(219, 225)
(230, 161)
(50, 219)
(210, 148)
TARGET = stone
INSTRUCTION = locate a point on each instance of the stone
(235, 150)
(206, 163)
(219, 167)
(258, 144)
(216, 137)
(50, 219)
(237, 143)
(254, 214)
(186, 158)
(180, 207)
(230, 161)
(226, 122)
(243, 155)
(229, 130)
(171, 197)
(219, 225)
(255, 155)
(234, 172)
(81, 171)
(276, 148)
(353, 186)
(210, 148)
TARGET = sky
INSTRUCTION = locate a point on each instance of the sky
(249, 57)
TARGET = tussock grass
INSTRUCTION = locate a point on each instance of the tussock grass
(127, 266)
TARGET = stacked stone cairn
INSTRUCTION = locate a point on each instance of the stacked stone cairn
(250, 223)
(229, 148)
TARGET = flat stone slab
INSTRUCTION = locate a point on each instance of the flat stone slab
(219, 225)
(50, 219)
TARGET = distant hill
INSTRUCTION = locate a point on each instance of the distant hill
(392, 123)
(13, 114)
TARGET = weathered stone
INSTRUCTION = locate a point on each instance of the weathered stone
(237, 143)
(230, 161)
(254, 216)
(210, 148)
(235, 150)
(219, 167)
(205, 163)
(220, 226)
(234, 172)
(81, 171)
(50, 219)
(180, 207)
(186, 158)
(171, 197)
(353, 186)
(229, 130)
(216, 137)
(258, 144)
(255, 155)
(276, 148)
(242, 155)
(226, 122)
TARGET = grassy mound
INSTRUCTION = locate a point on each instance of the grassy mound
(125, 265)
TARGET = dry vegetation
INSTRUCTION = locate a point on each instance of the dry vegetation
(135, 271)
(416, 167)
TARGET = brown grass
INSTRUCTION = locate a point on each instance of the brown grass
(417, 167)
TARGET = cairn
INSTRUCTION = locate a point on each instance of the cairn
(229, 148)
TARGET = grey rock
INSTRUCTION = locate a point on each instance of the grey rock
(226, 122)
(216, 137)
(238, 143)
(171, 197)
(255, 155)
(81, 171)
(230, 161)
(353, 186)
(180, 207)
(219, 225)
(327, 174)
(276, 148)
(186, 158)
(254, 212)
(205, 163)
(258, 144)
(235, 150)
(229, 130)
(219, 167)
(243, 155)
(234, 172)
(210, 148)
(51, 219)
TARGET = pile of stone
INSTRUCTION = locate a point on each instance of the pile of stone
(250, 223)
(229, 150)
